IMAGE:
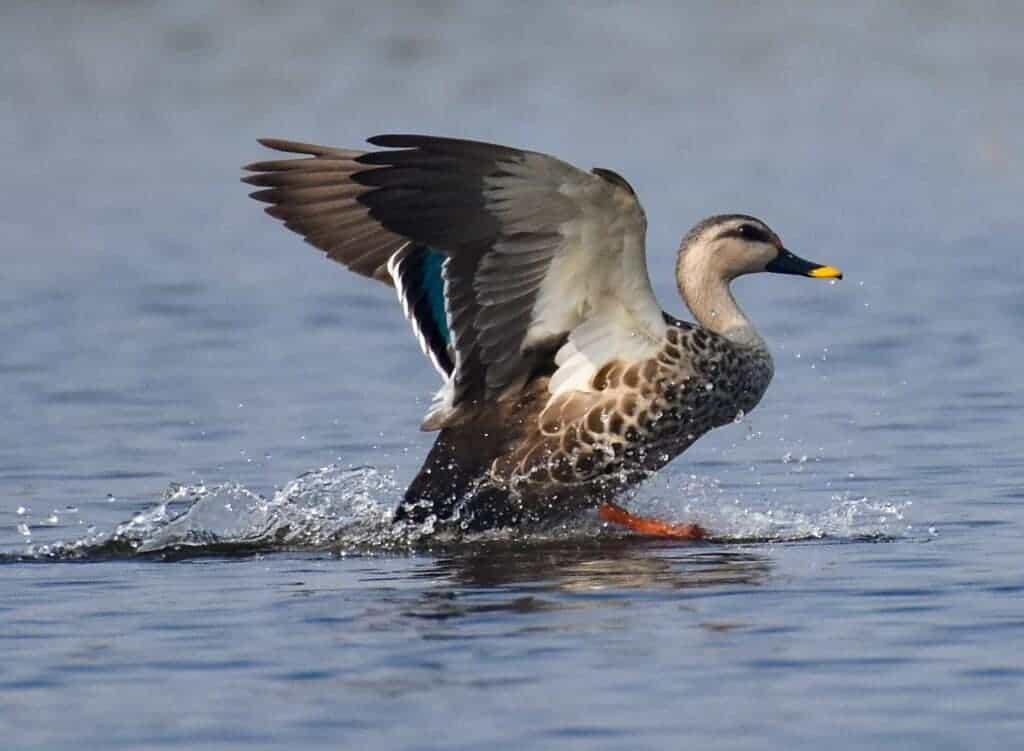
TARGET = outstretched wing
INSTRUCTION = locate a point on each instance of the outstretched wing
(536, 247)
(540, 256)
(317, 198)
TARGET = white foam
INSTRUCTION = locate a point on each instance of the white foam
(730, 518)
(341, 510)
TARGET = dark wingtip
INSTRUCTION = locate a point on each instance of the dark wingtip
(265, 196)
(399, 140)
(614, 178)
(376, 158)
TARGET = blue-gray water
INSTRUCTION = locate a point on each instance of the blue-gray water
(214, 421)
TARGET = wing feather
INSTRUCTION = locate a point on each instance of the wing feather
(540, 253)
(540, 245)
(314, 195)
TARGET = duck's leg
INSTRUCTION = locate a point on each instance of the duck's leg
(615, 514)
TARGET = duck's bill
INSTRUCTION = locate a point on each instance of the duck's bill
(789, 263)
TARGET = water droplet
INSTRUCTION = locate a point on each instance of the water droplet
(21, 510)
(709, 386)
(24, 531)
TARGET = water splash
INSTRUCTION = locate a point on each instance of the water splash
(343, 510)
(326, 509)
(732, 519)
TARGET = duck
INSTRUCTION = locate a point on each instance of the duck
(525, 281)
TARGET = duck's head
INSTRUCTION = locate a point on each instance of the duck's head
(729, 245)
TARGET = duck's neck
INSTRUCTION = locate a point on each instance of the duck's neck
(709, 298)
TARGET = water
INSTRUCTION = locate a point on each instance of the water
(205, 424)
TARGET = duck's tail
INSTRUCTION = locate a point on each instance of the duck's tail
(453, 486)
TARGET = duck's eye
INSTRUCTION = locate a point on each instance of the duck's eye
(754, 234)
(748, 232)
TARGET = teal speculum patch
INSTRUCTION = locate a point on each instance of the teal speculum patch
(432, 284)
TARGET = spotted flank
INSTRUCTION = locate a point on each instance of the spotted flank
(525, 281)
(638, 415)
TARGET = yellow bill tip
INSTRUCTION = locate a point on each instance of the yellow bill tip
(826, 272)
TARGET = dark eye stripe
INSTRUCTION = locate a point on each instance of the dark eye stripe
(748, 232)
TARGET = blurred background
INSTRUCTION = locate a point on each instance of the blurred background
(157, 326)
(157, 329)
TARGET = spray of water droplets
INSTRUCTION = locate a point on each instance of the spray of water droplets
(341, 510)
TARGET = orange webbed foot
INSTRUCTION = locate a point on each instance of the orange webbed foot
(615, 514)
